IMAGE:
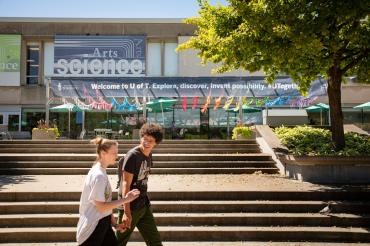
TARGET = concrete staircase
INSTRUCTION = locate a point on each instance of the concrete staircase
(201, 216)
(187, 215)
(171, 157)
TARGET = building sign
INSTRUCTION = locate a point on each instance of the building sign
(10, 55)
(99, 56)
(254, 87)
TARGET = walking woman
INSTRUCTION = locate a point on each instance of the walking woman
(94, 227)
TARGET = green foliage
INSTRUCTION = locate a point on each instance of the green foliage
(55, 130)
(304, 140)
(243, 131)
(300, 38)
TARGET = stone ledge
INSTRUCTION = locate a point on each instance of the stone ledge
(318, 169)
(328, 170)
(325, 160)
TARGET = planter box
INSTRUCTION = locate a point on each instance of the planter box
(329, 170)
(43, 134)
(240, 137)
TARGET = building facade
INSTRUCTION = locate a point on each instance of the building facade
(46, 62)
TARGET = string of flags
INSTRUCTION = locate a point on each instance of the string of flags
(100, 103)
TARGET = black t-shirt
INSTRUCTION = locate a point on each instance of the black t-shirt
(139, 165)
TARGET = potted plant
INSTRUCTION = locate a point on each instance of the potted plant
(243, 132)
(43, 132)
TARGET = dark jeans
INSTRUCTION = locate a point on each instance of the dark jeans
(143, 219)
(103, 234)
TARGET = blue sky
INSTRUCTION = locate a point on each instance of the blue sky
(101, 8)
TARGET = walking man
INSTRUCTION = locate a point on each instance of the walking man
(133, 172)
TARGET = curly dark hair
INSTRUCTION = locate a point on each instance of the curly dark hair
(153, 130)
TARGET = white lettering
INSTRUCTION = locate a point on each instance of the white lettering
(136, 66)
(105, 86)
(99, 67)
(96, 66)
(122, 67)
(62, 66)
(8, 66)
(96, 52)
(75, 66)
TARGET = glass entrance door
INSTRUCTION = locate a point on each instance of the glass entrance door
(11, 119)
(13, 122)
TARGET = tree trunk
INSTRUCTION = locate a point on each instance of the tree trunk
(336, 115)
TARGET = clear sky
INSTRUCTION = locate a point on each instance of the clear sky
(102, 8)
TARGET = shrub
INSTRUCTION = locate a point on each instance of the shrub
(244, 131)
(304, 140)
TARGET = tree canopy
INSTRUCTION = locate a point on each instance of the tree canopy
(302, 39)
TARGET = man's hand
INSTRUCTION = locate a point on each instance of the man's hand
(126, 219)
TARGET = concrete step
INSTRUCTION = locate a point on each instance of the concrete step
(129, 145)
(78, 171)
(356, 195)
(157, 164)
(198, 243)
(61, 207)
(156, 157)
(201, 219)
(133, 142)
(236, 149)
(203, 233)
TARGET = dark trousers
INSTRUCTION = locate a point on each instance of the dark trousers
(103, 234)
(143, 219)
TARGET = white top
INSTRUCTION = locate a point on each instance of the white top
(96, 188)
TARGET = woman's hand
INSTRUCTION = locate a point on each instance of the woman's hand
(121, 227)
(132, 195)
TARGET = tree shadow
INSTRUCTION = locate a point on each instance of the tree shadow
(14, 179)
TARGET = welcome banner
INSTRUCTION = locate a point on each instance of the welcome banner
(10, 55)
(99, 56)
(180, 87)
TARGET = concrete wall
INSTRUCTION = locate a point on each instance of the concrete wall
(190, 65)
(277, 117)
(22, 95)
(49, 29)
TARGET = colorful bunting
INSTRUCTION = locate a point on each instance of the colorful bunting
(194, 103)
(228, 102)
(206, 105)
(184, 104)
(217, 103)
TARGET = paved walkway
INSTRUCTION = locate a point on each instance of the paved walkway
(217, 182)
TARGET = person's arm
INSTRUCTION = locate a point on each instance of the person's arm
(126, 184)
(108, 206)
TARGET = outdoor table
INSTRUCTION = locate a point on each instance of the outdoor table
(103, 132)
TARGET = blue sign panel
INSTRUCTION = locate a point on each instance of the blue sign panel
(255, 87)
(99, 56)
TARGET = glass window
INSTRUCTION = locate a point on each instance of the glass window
(30, 116)
(13, 122)
(32, 66)
(170, 59)
(1, 119)
(154, 67)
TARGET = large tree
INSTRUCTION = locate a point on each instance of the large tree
(301, 38)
